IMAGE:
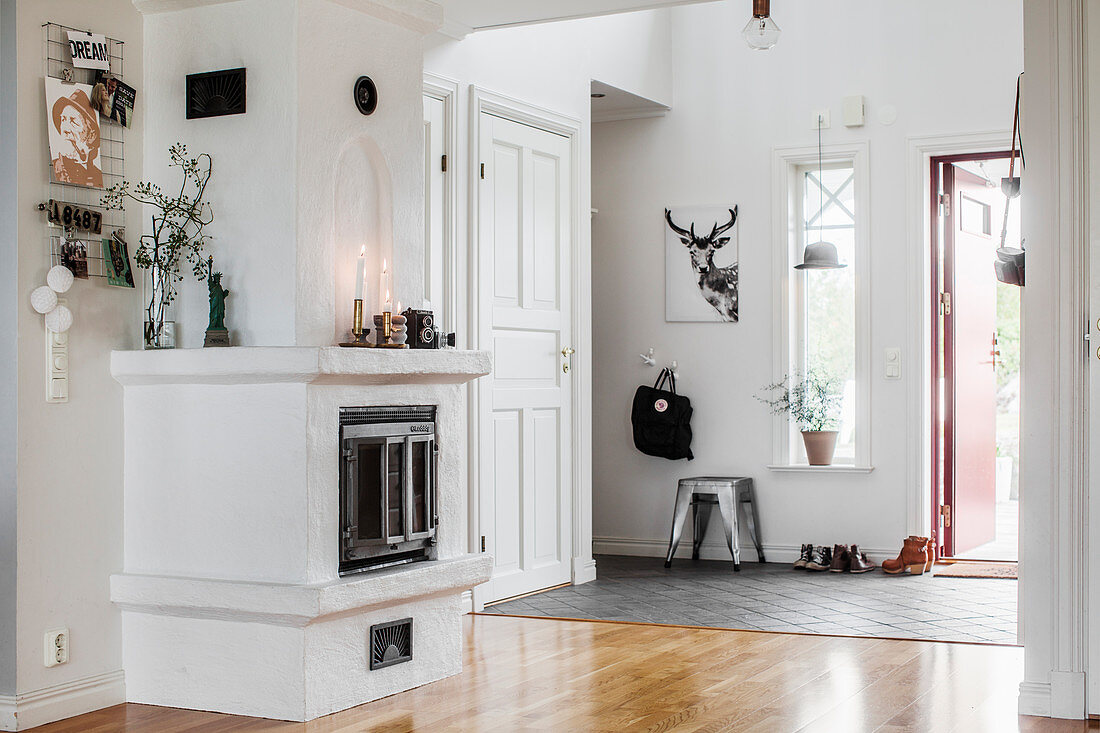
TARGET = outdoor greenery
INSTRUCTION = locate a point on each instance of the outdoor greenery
(1008, 334)
(812, 400)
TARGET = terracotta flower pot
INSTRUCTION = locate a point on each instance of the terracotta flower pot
(820, 445)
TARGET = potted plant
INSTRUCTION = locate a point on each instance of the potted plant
(812, 401)
(176, 235)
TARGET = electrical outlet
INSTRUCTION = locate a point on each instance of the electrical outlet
(56, 647)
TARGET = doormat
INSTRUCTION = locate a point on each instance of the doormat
(1005, 570)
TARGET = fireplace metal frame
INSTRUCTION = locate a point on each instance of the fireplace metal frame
(393, 546)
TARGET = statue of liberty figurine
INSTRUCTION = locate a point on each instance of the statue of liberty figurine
(216, 333)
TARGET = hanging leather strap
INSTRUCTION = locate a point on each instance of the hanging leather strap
(1012, 161)
(1015, 132)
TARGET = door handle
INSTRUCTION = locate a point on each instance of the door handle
(566, 353)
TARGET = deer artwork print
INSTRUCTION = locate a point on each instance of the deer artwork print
(716, 284)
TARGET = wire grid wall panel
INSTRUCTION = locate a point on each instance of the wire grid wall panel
(112, 157)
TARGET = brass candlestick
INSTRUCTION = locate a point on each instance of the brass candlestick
(357, 322)
(358, 333)
(385, 330)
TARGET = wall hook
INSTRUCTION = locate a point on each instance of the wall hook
(648, 358)
(675, 369)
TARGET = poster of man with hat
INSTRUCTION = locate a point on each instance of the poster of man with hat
(74, 134)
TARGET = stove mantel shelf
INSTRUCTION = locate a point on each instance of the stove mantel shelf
(310, 365)
(297, 605)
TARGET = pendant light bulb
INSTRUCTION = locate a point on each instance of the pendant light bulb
(761, 32)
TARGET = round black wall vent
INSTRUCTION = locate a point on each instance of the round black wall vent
(366, 95)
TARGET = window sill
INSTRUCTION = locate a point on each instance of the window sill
(804, 468)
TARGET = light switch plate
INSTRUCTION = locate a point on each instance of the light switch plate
(57, 364)
(893, 363)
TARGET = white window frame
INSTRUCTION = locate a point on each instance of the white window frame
(786, 253)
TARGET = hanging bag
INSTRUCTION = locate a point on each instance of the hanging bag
(662, 419)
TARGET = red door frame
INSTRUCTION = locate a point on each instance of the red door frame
(942, 487)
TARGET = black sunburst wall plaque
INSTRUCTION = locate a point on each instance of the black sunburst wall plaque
(215, 93)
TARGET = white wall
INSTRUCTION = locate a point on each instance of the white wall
(9, 288)
(344, 157)
(301, 180)
(69, 464)
(254, 159)
(731, 107)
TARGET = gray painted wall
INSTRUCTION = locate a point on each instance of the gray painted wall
(8, 383)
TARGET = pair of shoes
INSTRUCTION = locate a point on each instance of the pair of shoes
(804, 557)
(850, 559)
(916, 557)
(820, 559)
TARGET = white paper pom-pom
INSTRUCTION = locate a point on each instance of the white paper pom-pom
(59, 319)
(59, 278)
(43, 299)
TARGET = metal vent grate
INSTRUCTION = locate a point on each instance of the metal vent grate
(216, 93)
(391, 643)
(376, 415)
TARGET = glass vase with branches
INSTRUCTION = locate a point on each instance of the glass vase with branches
(177, 235)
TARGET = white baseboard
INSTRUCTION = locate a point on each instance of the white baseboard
(1034, 699)
(584, 570)
(709, 550)
(31, 709)
(467, 601)
(1067, 695)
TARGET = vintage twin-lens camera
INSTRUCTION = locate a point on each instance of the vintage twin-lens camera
(423, 332)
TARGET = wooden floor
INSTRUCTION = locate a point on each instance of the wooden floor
(541, 674)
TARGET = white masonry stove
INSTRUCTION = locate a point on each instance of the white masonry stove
(250, 586)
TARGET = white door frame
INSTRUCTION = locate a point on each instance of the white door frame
(446, 91)
(499, 105)
(1058, 588)
(917, 361)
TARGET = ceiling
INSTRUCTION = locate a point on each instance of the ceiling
(464, 16)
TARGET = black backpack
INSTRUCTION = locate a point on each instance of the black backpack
(662, 420)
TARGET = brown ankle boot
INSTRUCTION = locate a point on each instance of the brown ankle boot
(860, 563)
(930, 554)
(929, 550)
(842, 561)
(912, 559)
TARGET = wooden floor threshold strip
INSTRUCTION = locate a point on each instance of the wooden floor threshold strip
(528, 595)
(742, 631)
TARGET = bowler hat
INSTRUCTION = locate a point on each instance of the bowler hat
(820, 256)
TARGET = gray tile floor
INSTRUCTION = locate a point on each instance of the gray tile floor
(772, 597)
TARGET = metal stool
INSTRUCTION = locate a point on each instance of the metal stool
(703, 492)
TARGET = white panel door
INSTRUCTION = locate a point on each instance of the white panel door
(524, 317)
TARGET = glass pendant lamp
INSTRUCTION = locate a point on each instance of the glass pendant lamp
(761, 32)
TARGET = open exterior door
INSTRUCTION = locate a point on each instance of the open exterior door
(971, 212)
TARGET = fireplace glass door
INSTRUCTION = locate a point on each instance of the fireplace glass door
(389, 495)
